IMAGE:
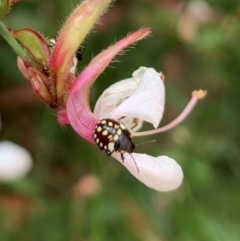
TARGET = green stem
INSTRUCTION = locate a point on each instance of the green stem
(13, 43)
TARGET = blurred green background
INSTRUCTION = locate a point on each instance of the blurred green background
(196, 44)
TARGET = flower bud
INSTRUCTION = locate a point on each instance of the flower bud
(34, 44)
(4, 7)
(39, 81)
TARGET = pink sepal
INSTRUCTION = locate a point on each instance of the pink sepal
(79, 114)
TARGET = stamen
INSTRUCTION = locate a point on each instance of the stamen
(196, 95)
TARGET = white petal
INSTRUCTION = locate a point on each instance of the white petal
(15, 161)
(142, 97)
(113, 96)
(161, 173)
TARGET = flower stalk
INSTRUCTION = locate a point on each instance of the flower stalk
(13, 43)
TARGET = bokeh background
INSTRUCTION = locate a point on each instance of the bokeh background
(74, 191)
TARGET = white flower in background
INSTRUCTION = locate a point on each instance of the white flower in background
(15, 161)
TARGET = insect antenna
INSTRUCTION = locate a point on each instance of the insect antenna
(134, 162)
(140, 144)
(143, 143)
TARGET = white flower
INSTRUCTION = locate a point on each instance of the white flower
(137, 99)
(131, 101)
(15, 161)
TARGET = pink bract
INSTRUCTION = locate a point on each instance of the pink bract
(78, 112)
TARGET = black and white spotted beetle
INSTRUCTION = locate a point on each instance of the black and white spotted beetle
(111, 135)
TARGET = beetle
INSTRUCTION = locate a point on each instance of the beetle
(113, 136)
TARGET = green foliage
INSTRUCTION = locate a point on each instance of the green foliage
(48, 203)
